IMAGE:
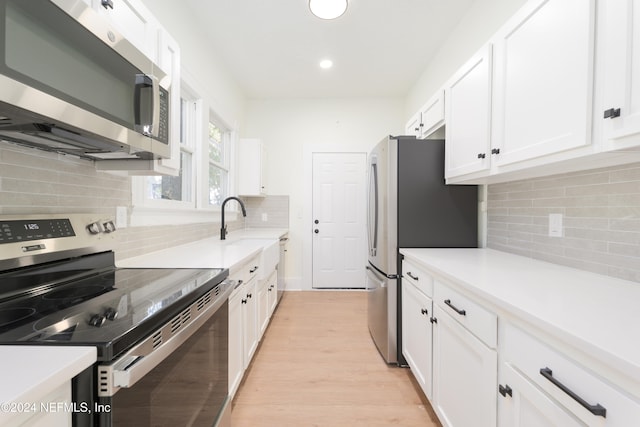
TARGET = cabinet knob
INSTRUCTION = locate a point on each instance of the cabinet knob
(433, 320)
(424, 311)
(504, 390)
(316, 231)
(612, 113)
(107, 3)
(244, 301)
(481, 155)
(495, 151)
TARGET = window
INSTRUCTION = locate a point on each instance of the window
(179, 188)
(204, 179)
(219, 142)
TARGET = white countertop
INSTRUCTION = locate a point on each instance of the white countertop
(29, 373)
(594, 313)
(212, 252)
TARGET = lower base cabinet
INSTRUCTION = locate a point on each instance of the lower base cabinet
(417, 334)
(464, 375)
(524, 405)
(236, 340)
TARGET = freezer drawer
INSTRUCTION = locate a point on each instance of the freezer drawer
(382, 313)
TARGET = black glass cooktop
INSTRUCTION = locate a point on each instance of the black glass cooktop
(95, 305)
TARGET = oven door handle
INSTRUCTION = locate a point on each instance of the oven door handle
(143, 358)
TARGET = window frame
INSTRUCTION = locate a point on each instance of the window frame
(149, 212)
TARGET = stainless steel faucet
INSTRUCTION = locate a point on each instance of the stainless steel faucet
(223, 227)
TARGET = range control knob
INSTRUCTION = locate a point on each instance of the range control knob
(109, 227)
(111, 314)
(94, 228)
(97, 320)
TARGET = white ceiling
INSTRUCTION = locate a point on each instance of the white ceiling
(378, 47)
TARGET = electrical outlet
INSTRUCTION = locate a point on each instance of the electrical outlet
(555, 225)
(265, 217)
(121, 217)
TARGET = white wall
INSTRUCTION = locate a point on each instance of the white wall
(476, 27)
(294, 128)
(200, 66)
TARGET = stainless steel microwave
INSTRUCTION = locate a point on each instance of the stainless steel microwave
(71, 83)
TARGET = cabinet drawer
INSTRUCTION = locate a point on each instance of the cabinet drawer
(591, 399)
(418, 277)
(246, 271)
(478, 320)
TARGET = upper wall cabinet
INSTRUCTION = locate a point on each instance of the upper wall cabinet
(251, 168)
(429, 118)
(620, 66)
(543, 80)
(133, 20)
(468, 117)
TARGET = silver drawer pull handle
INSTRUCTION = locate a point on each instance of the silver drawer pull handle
(596, 409)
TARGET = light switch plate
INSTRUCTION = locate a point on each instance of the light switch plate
(555, 225)
(265, 217)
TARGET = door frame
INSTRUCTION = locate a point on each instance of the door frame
(307, 209)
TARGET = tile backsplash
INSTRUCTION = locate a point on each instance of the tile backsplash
(39, 182)
(269, 211)
(601, 219)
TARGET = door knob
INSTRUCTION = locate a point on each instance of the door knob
(316, 231)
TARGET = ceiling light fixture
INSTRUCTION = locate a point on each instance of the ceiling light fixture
(328, 9)
(326, 63)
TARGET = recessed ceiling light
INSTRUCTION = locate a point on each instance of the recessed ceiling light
(328, 9)
(326, 63)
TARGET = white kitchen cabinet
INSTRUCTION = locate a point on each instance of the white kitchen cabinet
(250, 321)
(468, 117)
(413, 125)
(464, 374)
(543, 81)
(262, 307)
(134, 21)
(272, 291)
(564, 382)
(432, 114)
(57, 416)
(429, 118)
(417, 309)
(521, 404)
(236, 339)
(619, 61)
(251, 168)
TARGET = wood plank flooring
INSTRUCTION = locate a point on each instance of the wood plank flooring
(317, 366)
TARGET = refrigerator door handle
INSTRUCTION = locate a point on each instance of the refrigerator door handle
(373, 207)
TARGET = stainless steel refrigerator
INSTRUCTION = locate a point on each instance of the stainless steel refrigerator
(409, 206)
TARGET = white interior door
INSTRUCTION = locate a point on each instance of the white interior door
(338, 228)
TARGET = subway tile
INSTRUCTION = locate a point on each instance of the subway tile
(572, 180)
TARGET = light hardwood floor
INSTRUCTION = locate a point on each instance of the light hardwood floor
(317, 366)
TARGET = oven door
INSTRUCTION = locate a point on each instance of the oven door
(189, 387)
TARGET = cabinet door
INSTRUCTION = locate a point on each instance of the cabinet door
(620, 59)
(250, 321)
(236, 340)
(273, 291)
(413, 126)
(417, 334)
(134, 21)
(543, 78)
(468, 117)
(432, 114)
(524, 405)
(263, 307)
(251, 161)
(464, 375)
